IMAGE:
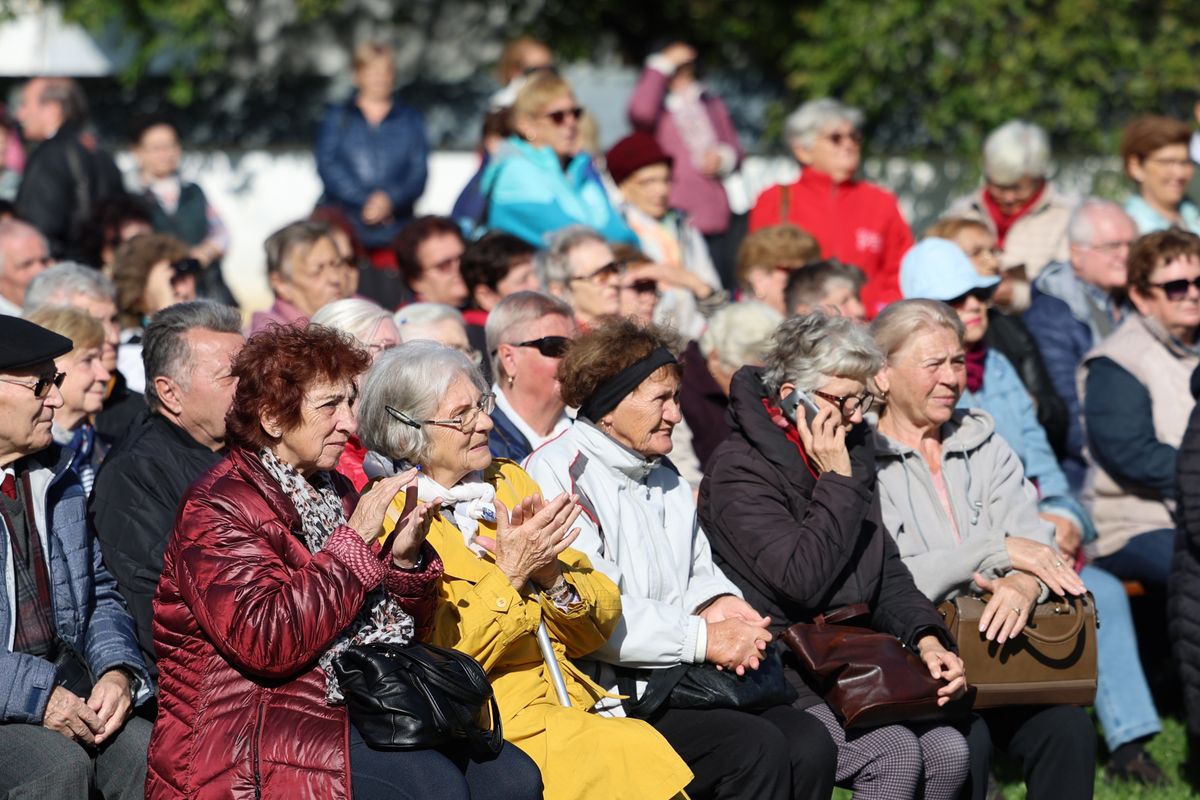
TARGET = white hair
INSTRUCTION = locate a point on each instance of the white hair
(412, 379)
(16, 229)
(554, 263)
(1081, 228)
(740, 332)
(63, 282)
(802, 125)
(810, 349)
(355, 316)
(416, 321)
(1015, 150)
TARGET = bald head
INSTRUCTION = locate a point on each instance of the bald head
(23, 256)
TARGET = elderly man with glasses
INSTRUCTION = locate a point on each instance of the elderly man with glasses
(70, 669)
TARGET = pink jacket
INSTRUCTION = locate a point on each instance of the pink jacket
(702, 197)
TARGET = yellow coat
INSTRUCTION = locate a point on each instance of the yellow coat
(581, 754)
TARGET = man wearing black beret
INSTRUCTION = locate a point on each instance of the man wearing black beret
(70, 668)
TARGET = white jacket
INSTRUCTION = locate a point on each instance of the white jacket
(639, 527)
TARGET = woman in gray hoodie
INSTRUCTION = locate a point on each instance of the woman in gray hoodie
(955, 499)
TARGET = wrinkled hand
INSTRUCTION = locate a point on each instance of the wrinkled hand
(68, 714)
(1067, 536)
(377, 209)
(679, 54)
(111, 701)
(943, 665)
(373, 505)
(729, 606)
(1013, 598)
(206, 252)
(826, 442)
(526, 546)
(735, 644)
(410, 532)
(1043, 562)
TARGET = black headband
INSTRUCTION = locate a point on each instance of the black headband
(617, 388)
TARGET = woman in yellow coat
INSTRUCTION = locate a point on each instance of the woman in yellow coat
(509, 567)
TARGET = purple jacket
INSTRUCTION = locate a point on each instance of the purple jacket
(702, 197)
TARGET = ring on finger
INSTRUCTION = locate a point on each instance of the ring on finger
(1016, 609)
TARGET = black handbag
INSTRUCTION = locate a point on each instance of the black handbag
(705, 686)
(415, 696)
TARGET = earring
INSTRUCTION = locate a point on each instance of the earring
(511, 380)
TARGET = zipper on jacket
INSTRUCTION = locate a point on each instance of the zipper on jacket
(258, 722)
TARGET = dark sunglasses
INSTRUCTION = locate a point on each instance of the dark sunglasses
(644, 287)
(1177, 290)
(838, 137)
(610, 270)
(184, 267)
(549, 346)
(561, 116)
(41, 386)
(983, 294)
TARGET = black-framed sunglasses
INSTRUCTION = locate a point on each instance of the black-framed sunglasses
(850, 403)
(613, 269)
(563, 114)
(463, 422)
(981, 293)
(549, 346)
(1178, 289)
(40, 386)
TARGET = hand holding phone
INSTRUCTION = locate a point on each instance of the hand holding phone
(793, 401)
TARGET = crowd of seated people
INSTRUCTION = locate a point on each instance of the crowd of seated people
(644, 436)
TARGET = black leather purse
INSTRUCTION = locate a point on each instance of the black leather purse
(704, 686)
(415, 696)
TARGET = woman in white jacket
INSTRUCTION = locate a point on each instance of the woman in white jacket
(639, 527)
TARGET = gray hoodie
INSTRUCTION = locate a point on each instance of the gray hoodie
(989, 495)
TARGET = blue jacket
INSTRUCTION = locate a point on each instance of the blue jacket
(1007, 400)
(89, 614)
(1066, 322)
(355, 159)
(506, 440)
(530, 195)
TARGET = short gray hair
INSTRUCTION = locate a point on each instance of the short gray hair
(63, 282)
(897, 324)
(353, 315)
(1015, 150)
(282, 245)
(508, 319)
(740, 333)
(554, 263)
(412, 378)
(802, 125)
(812, 348)
(1080, 228)
(69, 96)
(413, 320)
(165, 350)
(16, 229)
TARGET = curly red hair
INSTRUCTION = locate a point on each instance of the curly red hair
(277, 367)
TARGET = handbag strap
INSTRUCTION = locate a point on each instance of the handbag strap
(843, 614)
(1077, 606)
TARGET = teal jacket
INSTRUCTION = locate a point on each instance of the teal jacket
(528, 194)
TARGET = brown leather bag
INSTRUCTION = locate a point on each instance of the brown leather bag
(1051, 662)
(868, 678)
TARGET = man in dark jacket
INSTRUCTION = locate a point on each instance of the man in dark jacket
(1074, 306)
(66, 176)
(188, 350)
(70, 670)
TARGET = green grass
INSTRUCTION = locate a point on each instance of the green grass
(1169, 749)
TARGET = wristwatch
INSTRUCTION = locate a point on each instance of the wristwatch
(135, 683)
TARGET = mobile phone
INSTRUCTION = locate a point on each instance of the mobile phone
(796, 399)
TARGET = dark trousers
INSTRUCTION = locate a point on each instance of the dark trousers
(1146, 558)
(777, 754)
(37, 763)
(440, 775)
(1056, 746)
(723, 247)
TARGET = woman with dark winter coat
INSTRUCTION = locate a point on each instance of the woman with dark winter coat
(1183, 596)
(790, 507)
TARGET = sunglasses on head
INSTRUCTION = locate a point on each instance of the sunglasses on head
(983, 294)
(40, 386)
(561, 116)
(1178, 289)
(549, 346)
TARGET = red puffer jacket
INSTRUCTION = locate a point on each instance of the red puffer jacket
(242, 613)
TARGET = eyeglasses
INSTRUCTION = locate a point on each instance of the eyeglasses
(41, 386)
(1177, 290)
(464, 422)
(837, 137)
(561, 116)
(849, 404)
(607, 272)
(1111, 248)
(549, 346)
(1178, 163)
(982, 293)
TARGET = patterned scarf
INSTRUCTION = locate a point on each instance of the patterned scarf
(381, 619)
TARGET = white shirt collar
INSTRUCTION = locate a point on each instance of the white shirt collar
(535, 440)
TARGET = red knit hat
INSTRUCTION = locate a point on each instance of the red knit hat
(635, 151)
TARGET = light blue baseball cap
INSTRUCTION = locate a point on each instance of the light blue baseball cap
(938, 269)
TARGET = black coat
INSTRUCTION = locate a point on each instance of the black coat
(121, 409)
(133, 507)
(64, 182)
(1183, 598)
(798, 546)
(1013, 340)
(704, 405)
